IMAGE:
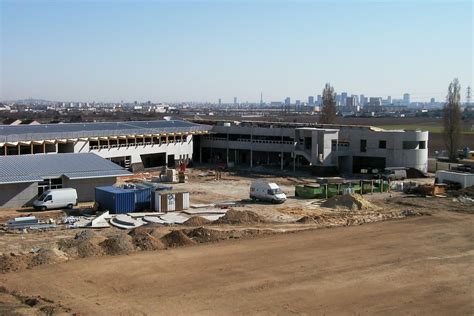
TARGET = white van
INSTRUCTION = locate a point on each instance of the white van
(56, 198)
(264, 191)
(394, 173)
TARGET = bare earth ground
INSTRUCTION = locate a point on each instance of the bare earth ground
(422, 265)
(416, 265)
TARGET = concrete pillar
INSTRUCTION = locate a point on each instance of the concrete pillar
(281, 154)
(294, 162)
(200, 151)
(44, 147)
(227, 150)
(18, 148)
(31, 148)
(251, 147)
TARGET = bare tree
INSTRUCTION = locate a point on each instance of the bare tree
(452, 119)
(328, 110)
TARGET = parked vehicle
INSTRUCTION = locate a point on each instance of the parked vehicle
(392, 174)
(265, 191)
(56, 198)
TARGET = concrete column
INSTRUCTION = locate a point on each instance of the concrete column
(31, 148)
(251, 147)
(44, 147)
(281, 154)
(200, 151)
(18, 148)
(227, 149)
(294, 162)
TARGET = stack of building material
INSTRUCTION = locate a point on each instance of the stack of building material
(28, 222)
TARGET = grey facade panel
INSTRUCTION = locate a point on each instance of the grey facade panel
(18, 194)
(86, 187)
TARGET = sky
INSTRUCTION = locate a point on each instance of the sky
(172, 51)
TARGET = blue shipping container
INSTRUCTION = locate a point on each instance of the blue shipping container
(143, 198)
(115, 200)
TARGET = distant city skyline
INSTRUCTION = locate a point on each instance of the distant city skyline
(205, 51)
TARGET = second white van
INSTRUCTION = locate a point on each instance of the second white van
(265, 191)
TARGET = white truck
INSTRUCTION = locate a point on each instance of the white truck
(56, 198)
(265, 191)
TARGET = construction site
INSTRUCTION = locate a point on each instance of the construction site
(202, 244)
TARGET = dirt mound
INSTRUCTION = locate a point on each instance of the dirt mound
(14, 262)
(352, 202)
(86, 235)
(143, 239)
(203, 235)
(87, 248)
(469, 191)
(177, 238)
(239, 217)
(47, 256)
(305, 220)
(197, 221)
(118, 245)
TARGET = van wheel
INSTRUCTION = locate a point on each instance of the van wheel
(70, 206)
(43, 208)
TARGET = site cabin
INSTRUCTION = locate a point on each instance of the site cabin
(56, 198)
(268, 192)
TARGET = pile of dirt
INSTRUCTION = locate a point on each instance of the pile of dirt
(197, 221)
(47, 256)
(118, 245)
(87, 248)
(354, 202)
(306, 220)
(177, 238)
(143, 239)
(14, 262)
(240, 217)
(469, 191)
(203, 235)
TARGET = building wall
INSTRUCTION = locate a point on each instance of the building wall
(86, 187)
(18, 194)
(182, 149)
(394, 154)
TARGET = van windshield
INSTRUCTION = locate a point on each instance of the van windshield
(42, 196)
(274, 191)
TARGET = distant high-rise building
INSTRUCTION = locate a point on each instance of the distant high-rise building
(319, 99)
(287, 101)
(406, 98)
(389, 99)
(235, 100)
(343, 96)
(375, 101)
(351, 101)
(362, 100)
(261, 98)
(311, 100)
(432, 101)
(220, 102)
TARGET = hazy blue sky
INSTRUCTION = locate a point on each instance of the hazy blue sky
(177, 50)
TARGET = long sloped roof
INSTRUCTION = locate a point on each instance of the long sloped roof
(9, 133)
(32, 168)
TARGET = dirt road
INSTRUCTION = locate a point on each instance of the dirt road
(421, 265)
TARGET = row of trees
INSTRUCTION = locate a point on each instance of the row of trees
(451, 115)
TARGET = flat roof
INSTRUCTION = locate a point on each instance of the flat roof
(15, 133)
(34, 168)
